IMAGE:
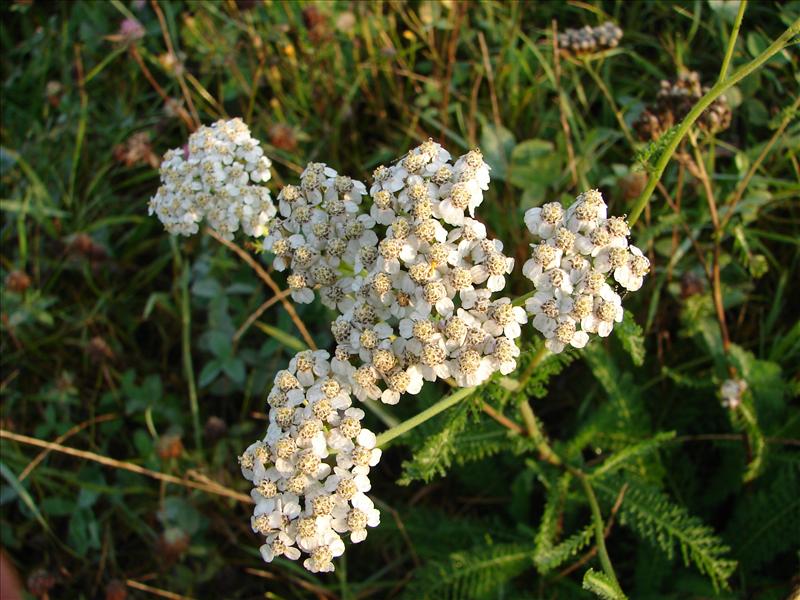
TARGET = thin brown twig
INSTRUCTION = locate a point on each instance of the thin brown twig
(451, 61)
(265, 277)
(258, 312)
(487, 65)
(740, 189)
(64, 436)
(11, 377)
(143, 587)
(403, 533)
(573, 169)
(217, 489)
(502, 419)
(676, 209)
(716, 282)
(473, 110)
(185, 116)
(306, 585)
(179, 69)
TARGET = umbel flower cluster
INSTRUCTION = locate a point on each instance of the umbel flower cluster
(422, 304)
(320, 234)
(581, 253)
(216, 177)
(590, 39)
(414, 279)
(310, 470)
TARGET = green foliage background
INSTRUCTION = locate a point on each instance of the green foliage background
(706, 501)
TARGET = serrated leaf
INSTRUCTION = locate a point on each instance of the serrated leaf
(548, 526)
(766, 522)
(436, 454)
(631, 336)
(655, 518)
(469, 575)
(619, 458)
(602, 585)
(554, 556)
(622, 392)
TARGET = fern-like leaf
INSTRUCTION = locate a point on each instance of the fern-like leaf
(630, 334)
(548, 526)
(618, 459)
(767, 521)
(470, 575)
(654, 517)
(553, 557)
(481, 440)
(552, 365)
(436, 454)
(619, 386)
(652, 151)
(602, 586)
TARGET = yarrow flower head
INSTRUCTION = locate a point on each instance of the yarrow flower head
(217, 177)
(310, 472)
(320, 235)
(422, 305)
(578, 249)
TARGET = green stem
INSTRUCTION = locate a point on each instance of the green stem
(376, 408)
(535, 433)
(597, 521)
(520, 300)
(732, 41)
(525, 410)
(704, 102)
(186, 332)
(430, 412)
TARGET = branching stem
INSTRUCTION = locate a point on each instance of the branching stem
(186, 347)
(597, 521)
(715, 92)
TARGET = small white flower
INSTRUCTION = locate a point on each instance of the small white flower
(732, 391)
(631, 274)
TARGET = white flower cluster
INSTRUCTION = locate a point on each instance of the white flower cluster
(578, 250)
(217, 178)
(311, 469)
(422, 306)
(320, 234)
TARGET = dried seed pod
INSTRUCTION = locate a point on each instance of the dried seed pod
(587, 40)
(673, 102)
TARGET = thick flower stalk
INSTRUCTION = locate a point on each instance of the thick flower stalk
(310, 471)
(216, 177)
(581, 260)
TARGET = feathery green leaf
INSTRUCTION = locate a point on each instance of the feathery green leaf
(654, 517)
